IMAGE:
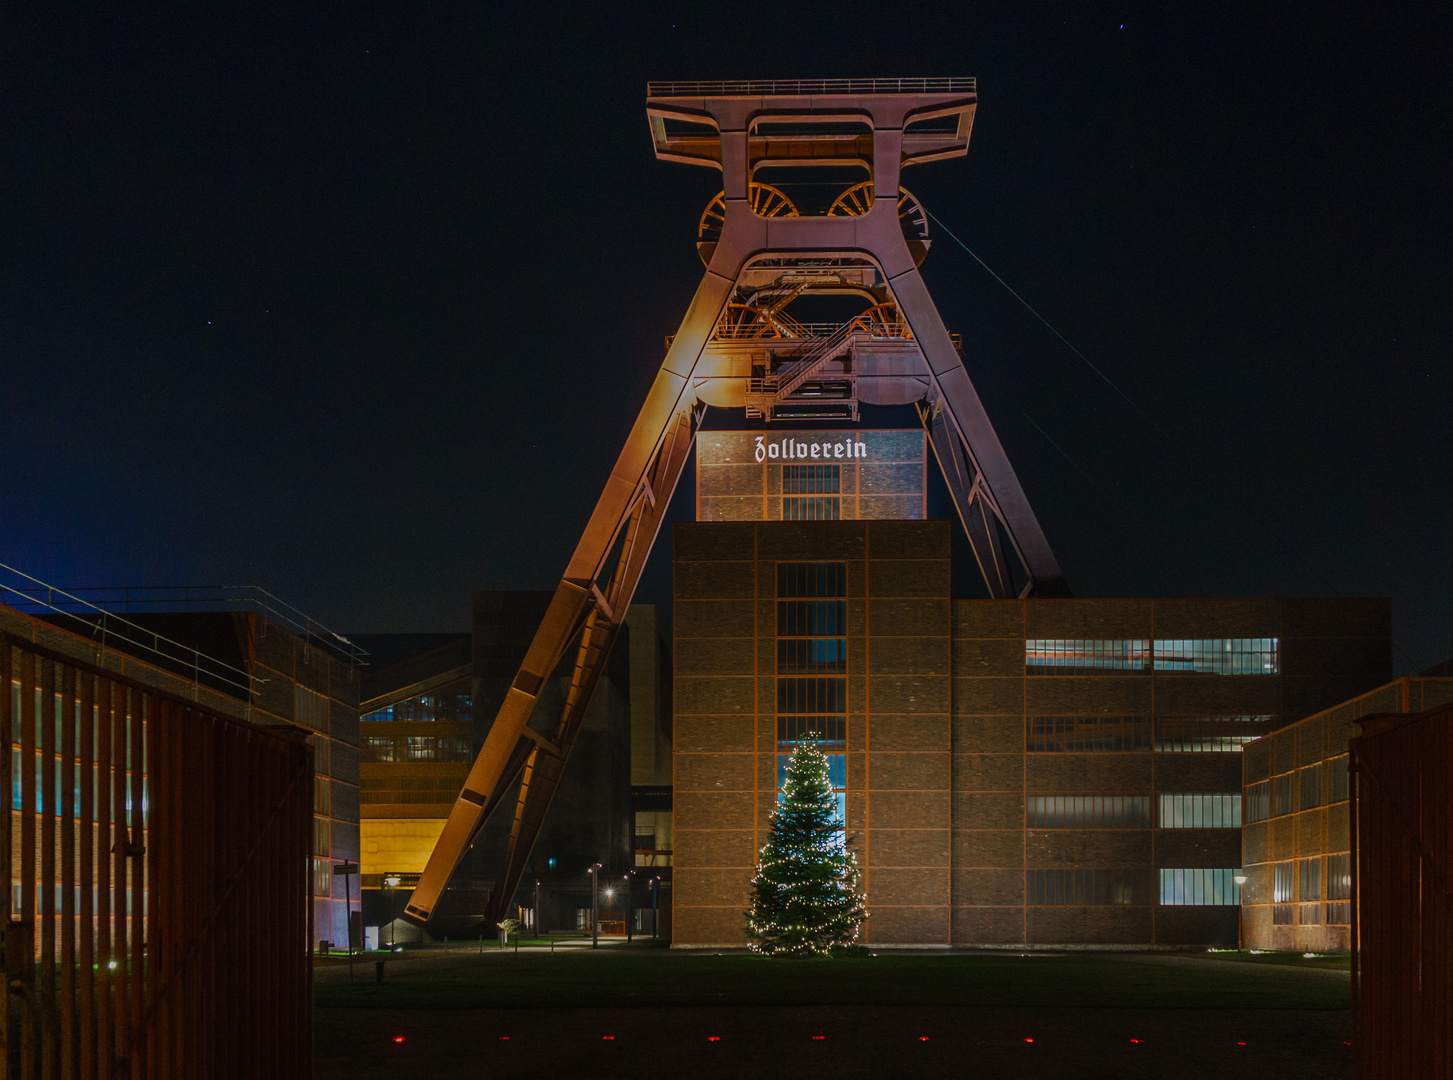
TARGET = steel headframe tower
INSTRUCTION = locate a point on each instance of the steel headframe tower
(738, 348)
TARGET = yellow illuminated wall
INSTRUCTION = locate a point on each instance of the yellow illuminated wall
(397, 845)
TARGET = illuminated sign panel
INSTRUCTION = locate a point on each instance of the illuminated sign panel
(785, 475)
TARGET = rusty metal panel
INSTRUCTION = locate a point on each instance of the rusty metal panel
(1402, 813)
(164, 854)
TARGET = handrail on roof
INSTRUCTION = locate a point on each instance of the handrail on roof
(797, 87)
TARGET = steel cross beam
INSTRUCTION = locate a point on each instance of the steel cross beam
(590, 603)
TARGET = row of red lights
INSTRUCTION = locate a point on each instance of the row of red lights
(717, 1038)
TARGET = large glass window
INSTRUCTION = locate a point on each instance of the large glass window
(811, 492)
(1283, 794)
(1200, 811)
(394, 748)
(1208, 734)
(1087, 887)
(1080, 654)
(1218, 656)
(1088, 812)
(1310, 783)
(812, 661)
(1087, 734)
(1199, 886)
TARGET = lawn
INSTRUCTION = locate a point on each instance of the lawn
(635, 977)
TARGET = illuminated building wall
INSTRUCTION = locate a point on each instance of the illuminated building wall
(1017, 772)
(1296, 838)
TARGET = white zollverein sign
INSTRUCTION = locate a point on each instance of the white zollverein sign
(790, 448)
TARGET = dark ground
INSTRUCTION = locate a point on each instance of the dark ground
(673, 1015)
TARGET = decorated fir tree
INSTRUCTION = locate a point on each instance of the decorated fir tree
(804, 899)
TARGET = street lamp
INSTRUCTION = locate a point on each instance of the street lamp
(655, 905)
(392, 883)
(539, 926)
(594, 907)
(630, 905)
(1240, 880)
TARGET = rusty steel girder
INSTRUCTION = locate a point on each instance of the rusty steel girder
(879, 126)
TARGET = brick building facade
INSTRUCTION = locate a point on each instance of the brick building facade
(1019, 772)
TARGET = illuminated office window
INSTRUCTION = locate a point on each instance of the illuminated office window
(1200, 811)
(1218, 656)
(1069, 655)
(1214, 886)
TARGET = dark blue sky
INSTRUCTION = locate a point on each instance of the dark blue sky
(358, 304)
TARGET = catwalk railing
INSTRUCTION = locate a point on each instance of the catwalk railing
(795, 87)
(158, 920)
(1402, 933)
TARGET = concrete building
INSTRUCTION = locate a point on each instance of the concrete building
(1013, 772)
(1296, 844)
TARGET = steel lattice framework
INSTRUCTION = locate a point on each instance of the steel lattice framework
(739, 348)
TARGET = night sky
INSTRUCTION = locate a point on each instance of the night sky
(358, 304)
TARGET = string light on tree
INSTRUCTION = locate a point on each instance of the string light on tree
(804, 895)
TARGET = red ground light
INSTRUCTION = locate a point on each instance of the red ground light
(398, 1038)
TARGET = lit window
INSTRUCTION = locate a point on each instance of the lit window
(1200, 811)
(1218, 656)
(1081, 654)
(1199, 887)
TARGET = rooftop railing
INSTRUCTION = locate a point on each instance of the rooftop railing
(799, 87)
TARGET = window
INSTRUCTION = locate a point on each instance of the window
(1087, 734)
(1092, 888)
(1310, 782)
(322, 878)
(448, 703)
(1309, 878)
(1088, 812)
(1219, 656)
(1081, 654)
(1339, 876)
(811, 655)
(1208, 734)
(1283, 881)
(1216, 886)
(812, 692)
(311, 710)
(430, 790)
(322, 795)
(392, 748)
(1338, 768)
(828, 732)
(1283, 794)
(811, 479)
(1200, 811)
(321, 836)
(820, 483)
(1257, 805)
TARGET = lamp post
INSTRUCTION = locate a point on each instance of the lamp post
(594, 907)
(630, 905)
(655, 905)
(392, 883)
(539, 925)
(1240, 880)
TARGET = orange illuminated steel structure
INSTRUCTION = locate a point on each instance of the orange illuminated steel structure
(738, 348)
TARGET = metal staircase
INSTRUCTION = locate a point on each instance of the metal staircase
(767, 391)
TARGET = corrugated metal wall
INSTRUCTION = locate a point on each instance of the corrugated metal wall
(1402, 804)
(157, 923)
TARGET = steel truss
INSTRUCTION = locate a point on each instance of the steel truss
(883, 128)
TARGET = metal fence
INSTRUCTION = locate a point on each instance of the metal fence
(158, 920)
(1402, 933)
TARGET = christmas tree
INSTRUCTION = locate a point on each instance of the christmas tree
(803, 897)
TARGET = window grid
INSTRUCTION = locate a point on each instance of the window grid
(1283, 881)
(811, 655)
(828, 732)
(395, 748)
(1214, 886)
(1087, 734)
(1087, 888)
(1310, 782)
(812, 508)
(1283, 794)
(1215, 656)
(1088, 812)
(1340, 787)
(811, 479)
(1257, 806)
(1339, 876)
(1200, 811)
